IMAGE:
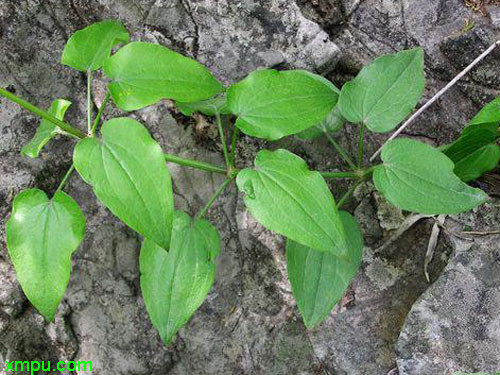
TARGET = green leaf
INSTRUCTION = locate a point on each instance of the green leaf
(286, 197)
(175, 283)
(88, 48)
(41, 236)
(487, 118)
(46, 130)
(332, 123)
(419, 178)
(319, 280)
(468, 143)
(491, 127)
(207, 107)
(474, 153)
(128, 173)
(311, 133)
(385, 91)
(477, 163)
(271, 104)
(143, 74)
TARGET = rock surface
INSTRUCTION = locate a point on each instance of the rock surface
(454, 326)
(249, 323)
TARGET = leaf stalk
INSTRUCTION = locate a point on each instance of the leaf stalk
(343, 153)
(234, 138)
(89, 102)
(362, 176)
(65, 178)
(214, 197)
(361, 143)
(348, 194)
(352, 175)
(43, 114)
(223, 139)
(99, 114)
(207, 167)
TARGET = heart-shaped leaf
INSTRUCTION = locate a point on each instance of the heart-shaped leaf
(271, 104)
(288, 198)
(385, 91)
(46, 130)
(419, 178)
(144, 73)
(128, 173)
(88, 48)
(42, 234)
(175, 283)
(319, 279)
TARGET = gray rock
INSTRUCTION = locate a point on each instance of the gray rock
(454, 325)
(359, 336)
(249, 323)
(494, 12)
(236, 37)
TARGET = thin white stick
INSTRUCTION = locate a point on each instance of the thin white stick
(437, 96)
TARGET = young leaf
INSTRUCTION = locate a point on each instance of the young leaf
(272, 104)
(419, 178)
(46, 130)
(144, 73)
(128, 173)
(331, 123)
(89, 47)
(477, 163)
(385, 91)
(175, 283)
(286, 197)
(42, 234)
(207, 107)
(319, 279)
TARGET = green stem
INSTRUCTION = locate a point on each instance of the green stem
(99, 114)
(195, 164)
(40, 112)
(361, 142)
(214, 197)
(341, 151)
(366, 174)
(362, 175)
(89, 101)
(348, 194)
(340, 175)
(234, 138)
(65, 178)
(222, 139)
